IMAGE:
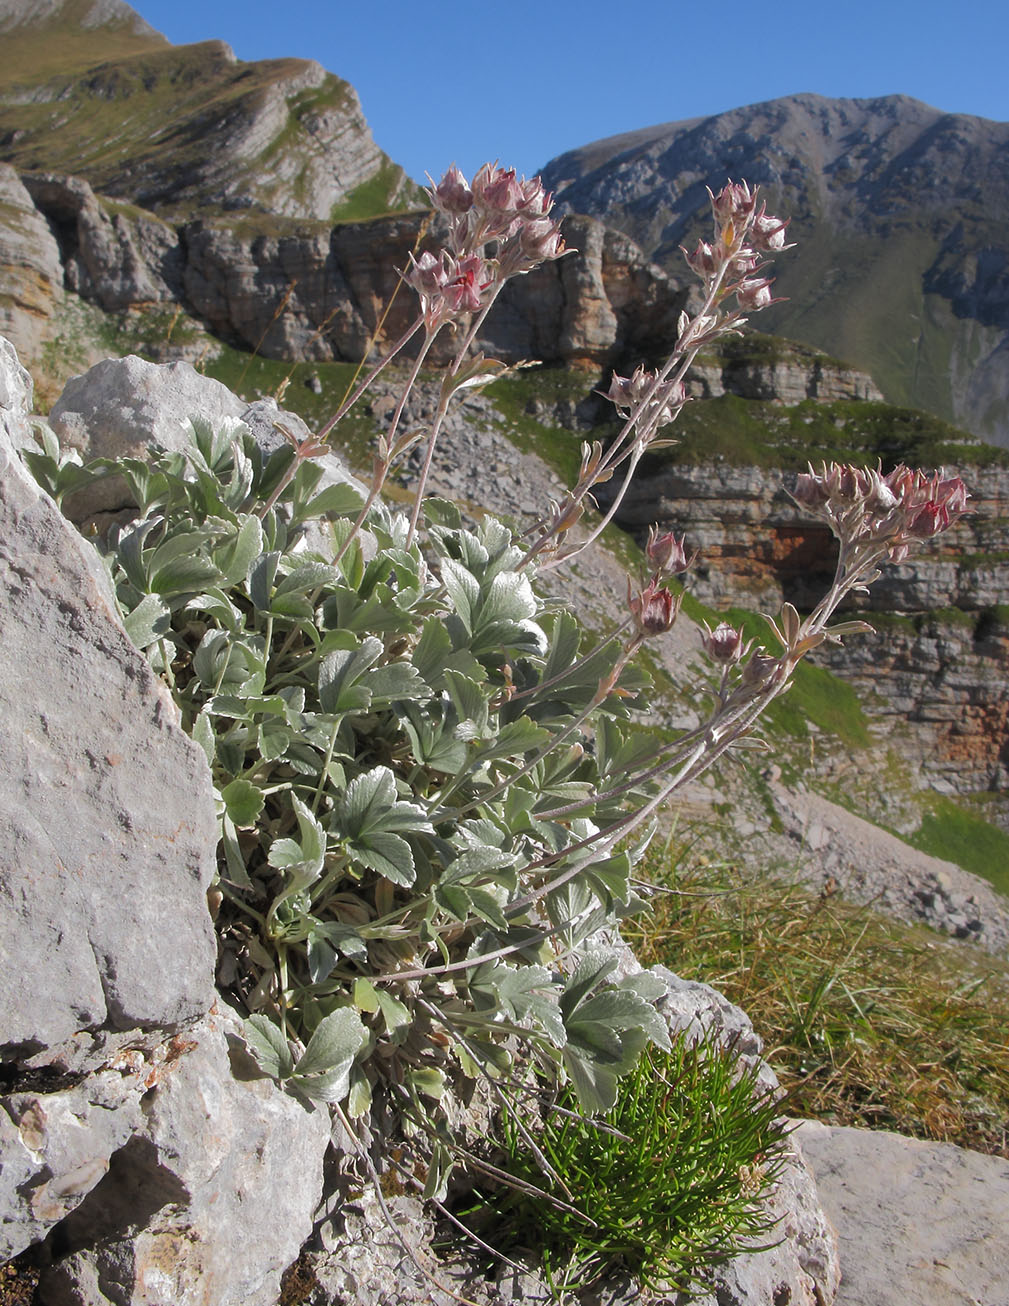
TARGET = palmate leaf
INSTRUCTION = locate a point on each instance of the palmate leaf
(340, 673)
(606, 1033)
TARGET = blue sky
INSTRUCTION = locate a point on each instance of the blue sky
(525, 81)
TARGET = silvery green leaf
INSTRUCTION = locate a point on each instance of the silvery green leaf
(309, 576)
(234, 859)
(304, 855)
(149, 620)
(431, 652)
(514, 740)
(464, 591)
(339, 500)
(236, 557)
(510, 598)
(268, 1046)
(359, 1098)
(470, 699)
(339, 673)
(396, 681)
(563, 646)
(387, 854)
(487, 907)
(330, 1053)
(261, 577)
(592, 969)
(478, 863)
(203, 734)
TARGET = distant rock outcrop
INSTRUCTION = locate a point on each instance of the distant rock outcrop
(900, 213)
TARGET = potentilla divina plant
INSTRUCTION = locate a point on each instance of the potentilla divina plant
(431, 804)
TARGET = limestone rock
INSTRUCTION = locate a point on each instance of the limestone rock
(108, 820)
(114, 254)
(15, 398)
(941, 664)
(868, 865)
(121, 406)
(211, 1197)
(920, 1223)
(31, 272)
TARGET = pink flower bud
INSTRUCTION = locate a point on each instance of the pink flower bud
(723, 644)
(497, 189)
(654, 609)
(810, 491)
(703, 260)
(768, 233)
(735, 200)
(426, 274)
(540, 239)
(666, 553)
(754, 294)
(534, 201)
(452, 195)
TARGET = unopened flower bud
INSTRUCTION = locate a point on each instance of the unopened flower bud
(666, 553)
(703, 260)
(735, 200)
(768, 233)
(426, 274)
(754, 294)
(724, 644)
(452, 195)
(540, 239)
(654, 609)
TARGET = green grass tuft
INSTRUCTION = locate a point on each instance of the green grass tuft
(867, 1021)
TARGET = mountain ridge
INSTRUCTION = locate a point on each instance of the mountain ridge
(899, 210)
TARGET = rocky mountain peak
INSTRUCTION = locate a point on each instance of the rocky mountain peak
(87, 14)
(97, 93)
(899, 211)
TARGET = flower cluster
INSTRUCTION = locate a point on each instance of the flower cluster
(862, 506)
(730, 263)
(643, 392)
(448, 286)
(500, 208)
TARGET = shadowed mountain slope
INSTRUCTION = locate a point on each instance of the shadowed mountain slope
(900, 211)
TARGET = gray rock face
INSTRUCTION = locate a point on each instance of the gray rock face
(136, 1139)
(114, 255)
(941, 665)
(15, 397)
(212, 1196)
(867, 865)
(195, 127)
(121, 406)
(106, 806)
(31, 272)
(920, 1224)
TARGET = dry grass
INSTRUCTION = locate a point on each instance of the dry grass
(867, 1021)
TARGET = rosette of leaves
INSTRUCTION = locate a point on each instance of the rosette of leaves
(409, 747)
